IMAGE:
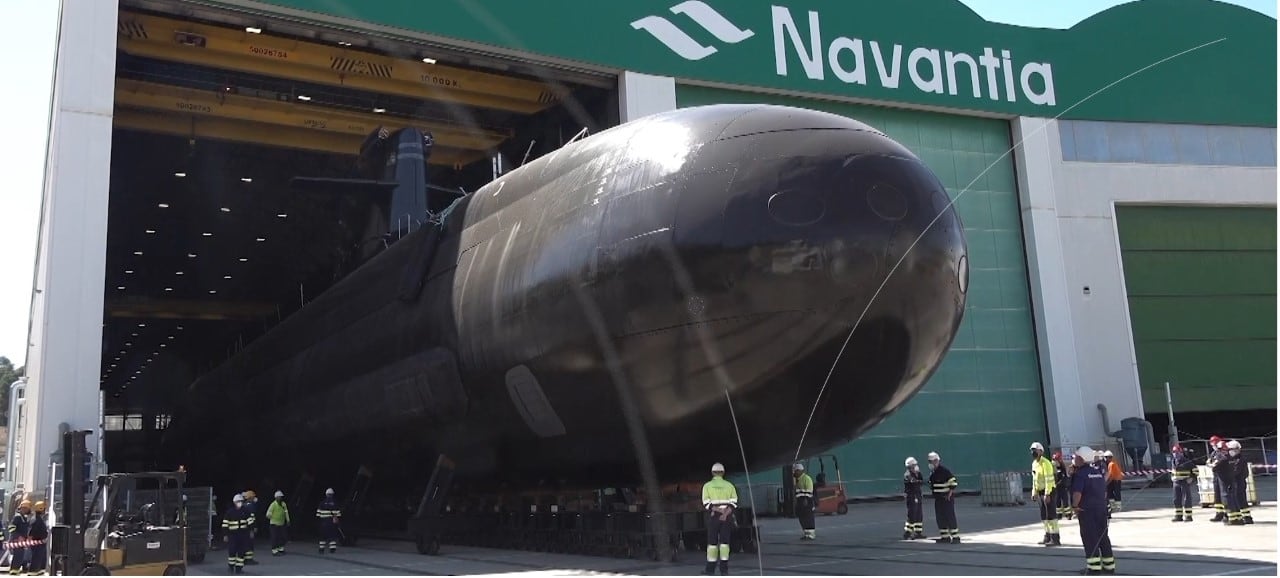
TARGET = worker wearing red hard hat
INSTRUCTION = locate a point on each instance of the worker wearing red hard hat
(1061, 487)
(1217, 453)
(1184, 484)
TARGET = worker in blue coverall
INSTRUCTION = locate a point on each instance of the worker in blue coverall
(329, 514)
(236, 524)
(1089, 501)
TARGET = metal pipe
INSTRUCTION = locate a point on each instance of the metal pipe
(1173, 428)
(17, 390)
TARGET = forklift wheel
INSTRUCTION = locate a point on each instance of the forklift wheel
(175, 570)
(428, 545)
(95, 570)
(842, 509)
(195, 557)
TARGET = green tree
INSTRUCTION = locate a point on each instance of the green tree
(8, 375)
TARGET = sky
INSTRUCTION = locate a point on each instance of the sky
(24, 112)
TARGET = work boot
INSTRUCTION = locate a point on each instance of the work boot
(942, 540)
(1218, 517)
(710, 570)
(906, 535)
(918, 536)
(1057, 540)
(724, 567)
(1248, 519)
(1177, 518)
(1046, 539)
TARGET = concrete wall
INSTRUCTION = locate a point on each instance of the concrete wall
(1085, 339)
(64, 355)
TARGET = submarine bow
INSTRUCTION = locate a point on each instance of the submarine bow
(656, 271)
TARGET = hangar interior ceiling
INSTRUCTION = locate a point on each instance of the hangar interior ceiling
(216, 111)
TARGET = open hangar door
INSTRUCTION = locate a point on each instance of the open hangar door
(216, 111)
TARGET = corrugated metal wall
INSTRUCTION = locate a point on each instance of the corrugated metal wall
(985, 405)
(1201, 285)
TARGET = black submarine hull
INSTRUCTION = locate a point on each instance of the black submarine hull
(645, 298)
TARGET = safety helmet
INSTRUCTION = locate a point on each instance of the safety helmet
(717, 468)
(237, 498)
(1177, 448)
(328, 492)
(1037, 446)
(1085, 453)
(40, 506)
(1233, 445)
(279, 494)
(24, 504)
(911, 462)
(797, 467)
(1213, 440)
(1108, 454)
(933, 456)
(249, 494)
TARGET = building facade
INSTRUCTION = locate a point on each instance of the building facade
(1116, 181)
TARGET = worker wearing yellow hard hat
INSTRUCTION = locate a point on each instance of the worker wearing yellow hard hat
(20, 529)
(251, 506)
(38, 562)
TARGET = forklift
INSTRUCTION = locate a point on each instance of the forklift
(829, 498)
(135, 524)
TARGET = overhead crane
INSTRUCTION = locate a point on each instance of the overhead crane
(261, 53)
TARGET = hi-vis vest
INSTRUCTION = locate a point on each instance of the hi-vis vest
(804, 486)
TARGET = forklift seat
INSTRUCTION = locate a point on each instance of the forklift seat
(821, 480)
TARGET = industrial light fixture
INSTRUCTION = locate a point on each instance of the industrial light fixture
(137, 253)
(191, 255)
(133, 335)
(128, 271)
(179, 174)
(177, 273)
(252, 30)
(344, 43)
(128, 343)
(244, 260)
(179, 328)
(247, 179)
(151, 231)
(170, 337)
(379, 110)
(211, 292)
(261, 239)
(226, 209)
(304, 98)
(226, 276)
(428, 60)
(120, 287)
(282, 215)
(207, 234)
(164, 345)
(142, 325)
(168, 288)
(163, 205)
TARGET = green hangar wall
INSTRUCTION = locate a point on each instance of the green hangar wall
(984, 406)
(1201, 284)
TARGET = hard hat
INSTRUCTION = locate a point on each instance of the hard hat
(1177, 448)
(1085, 453)
(717, 468)
(1107, 454)
(797, 467)
(1057, 455)
(24, 504)
(328, 492)
(1213, 440)
(249, 495)
(911, 462)
(40, 506)
(237, 498)
(1233, 445)
(279, 494)
(934, 456)
(1037, 446)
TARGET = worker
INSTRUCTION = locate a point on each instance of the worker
(38, 562)
(913, 492)
(278, 517)
(1061, 487)
(1115, 478)
(19, 533)
(943, 484)
(804, 502)
(1043, 479)
(328, 514)
(1216, 454)
(1089, 501)
(1184, 475)
(236, 525)
(1238, 471)
(720, 499)
(1224, 474)
(251, 506)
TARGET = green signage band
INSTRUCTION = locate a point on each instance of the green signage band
(935, 53)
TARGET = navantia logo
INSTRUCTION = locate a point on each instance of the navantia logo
(680, 42)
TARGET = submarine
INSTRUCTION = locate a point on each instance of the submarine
(674, 291)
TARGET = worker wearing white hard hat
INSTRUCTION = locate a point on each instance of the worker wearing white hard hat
(720, 499)
(328, 513)
(804, 504)
(943, 485)
(1235, 474)
(913, 492)
(1115, 477)
(1089, 501)
(278, 518)
(236, 524)
(1042, 486)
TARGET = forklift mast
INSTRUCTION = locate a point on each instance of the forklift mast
(67, 537)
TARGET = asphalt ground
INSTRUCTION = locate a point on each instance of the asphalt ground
(866, 541)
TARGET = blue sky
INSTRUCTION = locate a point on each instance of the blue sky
(24, 112)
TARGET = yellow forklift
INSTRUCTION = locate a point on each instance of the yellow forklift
(134, 525)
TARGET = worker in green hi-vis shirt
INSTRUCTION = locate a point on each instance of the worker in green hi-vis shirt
(720, 498)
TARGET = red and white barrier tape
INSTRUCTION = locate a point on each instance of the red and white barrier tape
(1140, 473)
(22, 543)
